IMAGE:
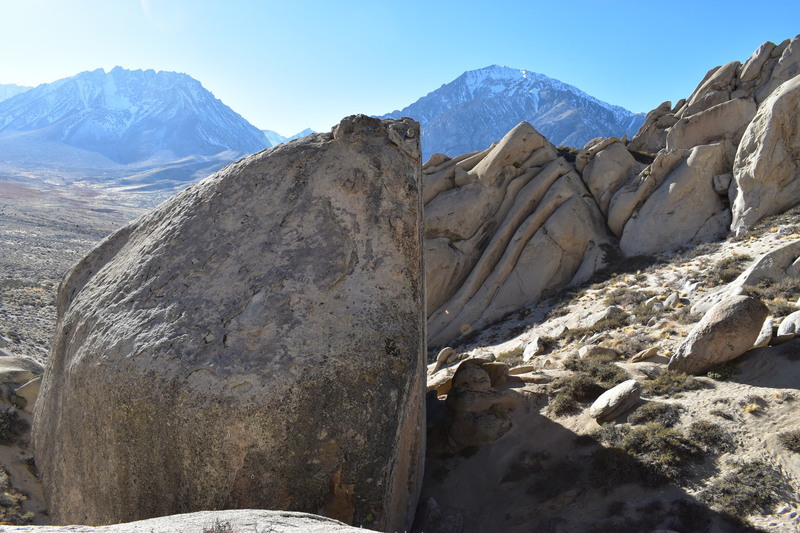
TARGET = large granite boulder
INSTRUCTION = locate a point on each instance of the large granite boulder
(255, 520)
(684, 207)
(766, 169)
(725, 332)
(257, 341)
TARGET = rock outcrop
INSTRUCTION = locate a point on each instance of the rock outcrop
(767, 167)
(257, 341)
(727, 330)
(505, 227)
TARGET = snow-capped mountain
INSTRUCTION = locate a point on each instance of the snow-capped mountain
(11, 89)
(128, 117)
(274, 138)
(481, 106)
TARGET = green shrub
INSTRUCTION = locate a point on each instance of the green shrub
(670, 382)
(511, 356)
(711, 437)
(748, 488)
(729, 268)
(724, 371)
(605, 373)
(663, 413)
(790, 440)
(666, 450)
(570, 390)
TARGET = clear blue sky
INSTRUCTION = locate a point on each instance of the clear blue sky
(300, 63)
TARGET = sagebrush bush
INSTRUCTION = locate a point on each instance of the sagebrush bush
(711, 437)
(790, 440)
(666, 450)
(669, 382)
(663, 413)
(748, 488)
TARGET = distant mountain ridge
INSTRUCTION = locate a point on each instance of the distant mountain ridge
(11, 89)
(129, 116)
(274, 138)
(480, 106)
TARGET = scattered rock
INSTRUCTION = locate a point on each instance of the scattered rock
(479, 411)
(725, 332)
(616, 401)
(644, 355)
(243, 344)
(765, 335)
(535, 347)
(598, 353)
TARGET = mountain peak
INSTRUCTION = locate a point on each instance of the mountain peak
(130, 116)
(480, 106)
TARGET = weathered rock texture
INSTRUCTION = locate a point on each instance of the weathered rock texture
(503, 228)
(767, 168)
(751, 106)
(514, 223)
(211, 521)
(725, 332)
(255, 342)
(616, 401)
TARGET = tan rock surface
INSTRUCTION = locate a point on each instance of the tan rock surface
(257, 341)
(766, 168)
(727, 330)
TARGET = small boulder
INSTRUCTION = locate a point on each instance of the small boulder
(598, 353)
(765, 335)
(534, 348)
(644, 355)
(790, 326)
(616, 401)
(725, 332)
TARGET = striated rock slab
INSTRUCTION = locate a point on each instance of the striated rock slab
(521, 224)
(683, 208)
(256, 341)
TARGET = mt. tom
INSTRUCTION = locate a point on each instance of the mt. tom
(480, 106)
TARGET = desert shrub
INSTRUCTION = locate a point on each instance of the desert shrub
(670, 382)
(729, 268)
(724, 371)
(711, 437)
(722, 414)
(663, 413)
(748, 488)
(512, 356)
(627, 297)
(665, 450)
(571, 390)
(640, 156)
(11, 425)
(611, 434)
(569, 153)
(605, 373)
(778, 295)
(790, 440)
(11, 503)
(753, 404)
(601, 326)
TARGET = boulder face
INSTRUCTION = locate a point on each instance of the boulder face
(257, 341)
(767, 165)
(506, 227)
(725, 332)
